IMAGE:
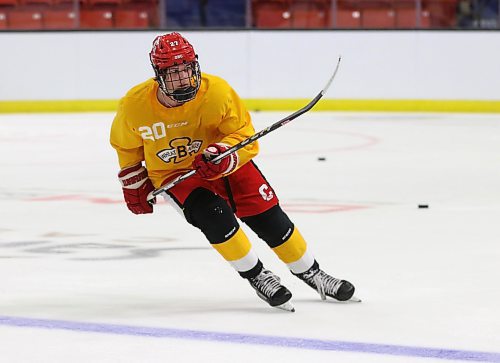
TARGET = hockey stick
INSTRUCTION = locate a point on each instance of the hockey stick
(252, 138)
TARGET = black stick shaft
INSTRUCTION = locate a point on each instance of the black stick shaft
(254, 137)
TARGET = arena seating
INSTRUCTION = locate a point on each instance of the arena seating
(442, 12)
(96, 18)
(265, 14)
(62, 18)
(132, 18)
(272, 14)
(24, 19)
(310, 14)
(353, 14)
(3, 20)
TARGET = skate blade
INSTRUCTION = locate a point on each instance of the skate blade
(355, 299)
(286, 306)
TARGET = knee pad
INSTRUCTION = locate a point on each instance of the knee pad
(211, 214)
(273, 226)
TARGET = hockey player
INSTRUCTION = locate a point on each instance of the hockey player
(177, 122)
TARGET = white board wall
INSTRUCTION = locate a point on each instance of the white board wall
(445, 65)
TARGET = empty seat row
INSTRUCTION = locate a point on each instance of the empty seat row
(67, 19)
(382, 14)
(381, 18)
(352, 14)
(7, 3)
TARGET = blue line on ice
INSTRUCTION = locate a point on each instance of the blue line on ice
(276, 341)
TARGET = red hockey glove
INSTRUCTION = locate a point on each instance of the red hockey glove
(208, 170)
(136, 186)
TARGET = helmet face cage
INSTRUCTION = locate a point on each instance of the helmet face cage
(180, 82)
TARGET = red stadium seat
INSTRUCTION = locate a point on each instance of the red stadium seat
(310, 14)
(425, 19)
(348, 18)
(442, 12)
(3, 20)
(101, 2)
(59, 19)
(407, 18)
(131, 18)
(378, 18)
(67, 3)
(272, 14)
(8, 3)
(3, 13)
(96, 19)
(36, 2)
(143, 9)
(24, 19)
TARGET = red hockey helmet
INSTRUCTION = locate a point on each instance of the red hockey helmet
(170, 50)
(176, 66)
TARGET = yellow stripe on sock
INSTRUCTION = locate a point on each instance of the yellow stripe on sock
(293, 249)
(235, 247)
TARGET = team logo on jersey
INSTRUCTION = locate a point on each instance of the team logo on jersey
(181, 148)
(266, 193)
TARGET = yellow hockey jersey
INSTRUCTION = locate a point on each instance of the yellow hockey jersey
(167, 139)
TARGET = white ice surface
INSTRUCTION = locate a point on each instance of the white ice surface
(429, 278)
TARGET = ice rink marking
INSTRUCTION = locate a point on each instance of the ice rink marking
(251, 339)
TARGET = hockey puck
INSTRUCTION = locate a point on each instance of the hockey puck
(321, 158)
(423, 206)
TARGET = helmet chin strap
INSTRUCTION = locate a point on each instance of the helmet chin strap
(167, 100)
(179, 96)
(183, 95)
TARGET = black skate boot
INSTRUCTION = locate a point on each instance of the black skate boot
(327, 285)
(268, 288)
